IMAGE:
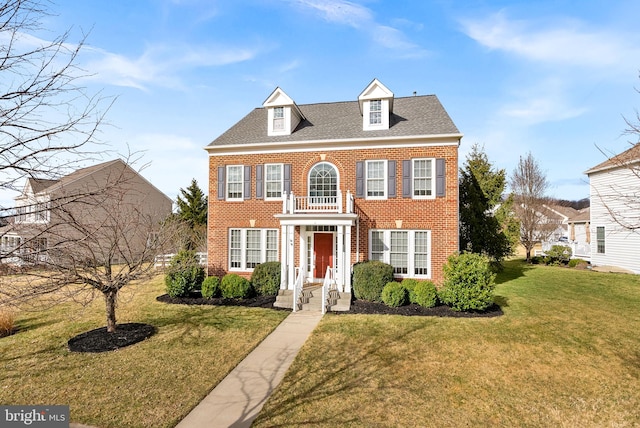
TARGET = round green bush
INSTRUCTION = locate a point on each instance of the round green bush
(410, 285)
(577, 262)
(394, 294)
(369, 278)
(426, 294)
(266, 278)
(184, 274)
(468, 282)
(211, 287)
(558, 254)
(235, 287)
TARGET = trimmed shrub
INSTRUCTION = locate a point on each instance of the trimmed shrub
(235, 287)
(394, 294)
(558, 254)
(211, 287)
(578, 263)
(369, 278)
(410, 284)
(7, 321)
(426, 294)
(266, 278)
(184, 274)
(468, 282)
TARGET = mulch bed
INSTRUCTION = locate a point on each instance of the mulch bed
(99, 340)
(357, 307)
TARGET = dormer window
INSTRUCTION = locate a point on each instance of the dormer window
(278, 118)
(375, 112)
(376, 106)
(283, 115)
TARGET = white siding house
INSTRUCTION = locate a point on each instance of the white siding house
(615, 211)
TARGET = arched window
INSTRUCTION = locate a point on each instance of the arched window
(323, 181)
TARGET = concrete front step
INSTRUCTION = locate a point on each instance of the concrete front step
(311, 300)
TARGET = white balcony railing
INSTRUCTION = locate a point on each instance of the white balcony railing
(292, 204)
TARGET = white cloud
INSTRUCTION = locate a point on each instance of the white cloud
(569, 42)
(159, 65)
(362, 18)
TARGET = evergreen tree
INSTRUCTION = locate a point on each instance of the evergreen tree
(192, 212)
(192, 205)
(486, 222)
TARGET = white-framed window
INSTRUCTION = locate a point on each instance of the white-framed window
(423, 178)
(408, 251)
(235, 182)
(278, 118)
(376, 179)
(323, 183)
(375, 112)
(600, 240)
(250, 247)
(273, 183)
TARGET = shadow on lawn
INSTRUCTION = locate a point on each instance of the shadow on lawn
(513, 269)
(336, 374)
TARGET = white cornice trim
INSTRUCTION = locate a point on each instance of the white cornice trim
(337, 144)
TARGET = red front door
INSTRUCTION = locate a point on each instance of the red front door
(322, 253)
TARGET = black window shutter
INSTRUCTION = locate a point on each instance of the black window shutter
(287, 178)
(221, 184)
(360, 179)
(391, 176)
(259, 181)
(440, 177)
(247, 182)
(406, 178)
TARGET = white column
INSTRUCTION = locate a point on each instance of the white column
(347, 260)
(341, 262)
(284, 275)
(290, 257)
(303, 252)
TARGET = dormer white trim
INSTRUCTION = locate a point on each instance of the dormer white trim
(283, 115)
(376, 106)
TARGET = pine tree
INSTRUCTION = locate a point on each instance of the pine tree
(486, 223)
(192, 206)
(192, 213)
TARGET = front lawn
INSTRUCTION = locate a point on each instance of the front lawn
(154, 383)
(565, 353)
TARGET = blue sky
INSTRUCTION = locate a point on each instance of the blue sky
(552, 77)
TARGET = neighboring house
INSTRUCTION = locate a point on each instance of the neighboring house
(615, 211)
(50, 212)
(320, 187)
(580, 234)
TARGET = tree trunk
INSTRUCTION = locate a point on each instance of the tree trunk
(528, 254)
(110, 299)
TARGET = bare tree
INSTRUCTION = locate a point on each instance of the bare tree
(48, 121)
(100, 237)
(529, 186)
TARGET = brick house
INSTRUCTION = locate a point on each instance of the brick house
(322, 186)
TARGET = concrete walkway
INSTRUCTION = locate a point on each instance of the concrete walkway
(238, 398)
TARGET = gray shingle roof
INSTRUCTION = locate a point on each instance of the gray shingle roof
(417, 115)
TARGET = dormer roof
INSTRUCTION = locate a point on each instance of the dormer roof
(279, 98)
(376, 91)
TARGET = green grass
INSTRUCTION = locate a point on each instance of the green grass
(154, 383)
(565, 353)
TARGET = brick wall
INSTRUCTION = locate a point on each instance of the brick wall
(440, 215)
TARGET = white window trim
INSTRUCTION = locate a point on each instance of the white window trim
(385, 179)
(243, 248)
(320, 163)
(386, 255)
(371, 110)
(228, 182)
(433, 179)
(276, 198)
